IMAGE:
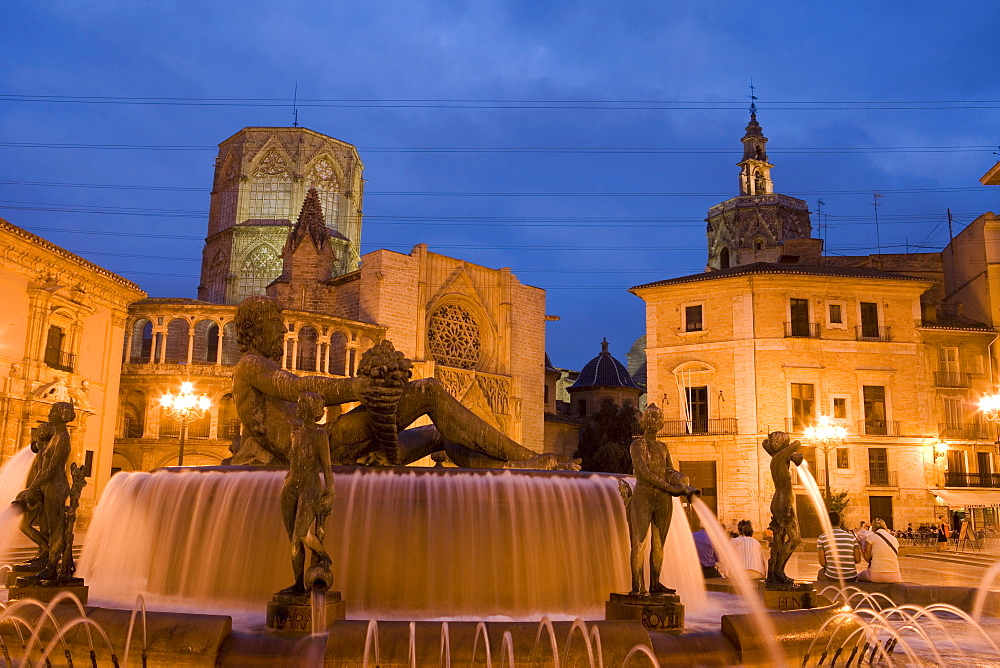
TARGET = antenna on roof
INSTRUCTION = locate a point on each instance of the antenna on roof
(875, 203)
(819, 217)
(753, 98)
(295, 106)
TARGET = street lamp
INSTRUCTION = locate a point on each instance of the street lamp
(184, 407)
(826, 436)
(990, 406)
(939, 449)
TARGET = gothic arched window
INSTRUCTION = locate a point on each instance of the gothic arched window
(230, 349)
(142, 341)
(206, 342)
(453, 337)
(261, 266)
(724, 259)
(337, 363)
(134, 414)
(270, 191)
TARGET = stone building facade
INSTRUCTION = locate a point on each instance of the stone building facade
(60, 340)
(783, 335)
(478, 330)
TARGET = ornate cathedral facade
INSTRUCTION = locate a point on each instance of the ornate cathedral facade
(285, 220)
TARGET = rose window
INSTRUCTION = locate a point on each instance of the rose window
(453, 337)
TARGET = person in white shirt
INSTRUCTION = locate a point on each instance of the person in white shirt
(882, 553)
(749, 555)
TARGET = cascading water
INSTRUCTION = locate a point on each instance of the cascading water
(13, 475)
(405, 543)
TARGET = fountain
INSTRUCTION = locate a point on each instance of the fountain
(495, 564)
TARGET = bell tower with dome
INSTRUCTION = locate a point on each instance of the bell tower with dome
(757, 225)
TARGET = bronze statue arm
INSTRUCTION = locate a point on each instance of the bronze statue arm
(58, 454)
(277, 382)
(644, 472)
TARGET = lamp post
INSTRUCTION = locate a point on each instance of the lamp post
(184, 407)
(826, 436)
(990, 406)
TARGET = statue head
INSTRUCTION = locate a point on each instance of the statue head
(310, 406)
(260, 328)
(41, 436)
(777, 441)
(652, 419)
(62, 412)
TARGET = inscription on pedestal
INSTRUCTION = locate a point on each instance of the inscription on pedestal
(45, 593)
(294, 613)
(658, 612)
(798, 596)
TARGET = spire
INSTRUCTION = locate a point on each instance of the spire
(755, 170)
(310, 222)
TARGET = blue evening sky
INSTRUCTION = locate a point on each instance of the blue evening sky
(579, 143)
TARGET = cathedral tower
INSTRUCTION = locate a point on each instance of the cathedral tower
(754, 226)
(262, 176)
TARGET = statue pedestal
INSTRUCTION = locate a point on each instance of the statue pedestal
(658, 612)
(46, 590)
(794, 596)
(293, 612)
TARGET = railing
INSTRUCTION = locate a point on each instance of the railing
(951, 379)
(869, 333)
(57, 359)
(962, 479)
(878, 427)
(882, 478)
(716, 427)
(804, 330)
(966, 431)
(229, 428)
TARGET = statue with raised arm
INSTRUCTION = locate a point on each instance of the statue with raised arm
(650, 507)
(784, 526)
(306, 498)
(32, 504)
(47, 491)
(265, 396)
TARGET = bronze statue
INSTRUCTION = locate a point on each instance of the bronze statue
(784, 526)
(32, 505)
(265, 393)
(306, 501)
(651, 507)
(48, 489)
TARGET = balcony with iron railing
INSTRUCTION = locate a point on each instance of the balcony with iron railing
(61, 360)
(802, 330)
(952, 379)
(714, 427)
(963, 479)
(870, 333)
(878, 427)
(882, 478)
(964, 431)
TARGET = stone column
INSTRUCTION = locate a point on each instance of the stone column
(190, 353)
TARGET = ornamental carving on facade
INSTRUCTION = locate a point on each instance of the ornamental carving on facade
(497, 393)
(322, 173)
(453, 337)
(456, 382)
(272, 165)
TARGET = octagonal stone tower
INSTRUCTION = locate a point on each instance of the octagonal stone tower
(262, 176)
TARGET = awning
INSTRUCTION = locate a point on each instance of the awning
(968, 498)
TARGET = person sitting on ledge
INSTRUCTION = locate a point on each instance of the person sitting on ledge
(265, 396)
(838, 553)
(707, 557)
(882, 554)
(747, 549)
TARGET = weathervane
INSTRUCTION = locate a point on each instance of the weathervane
(295, 106)
(753, 98)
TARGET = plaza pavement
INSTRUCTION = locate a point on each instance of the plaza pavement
(805, 565)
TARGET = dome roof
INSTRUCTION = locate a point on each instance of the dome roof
(604, 371)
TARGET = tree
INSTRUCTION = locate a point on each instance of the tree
(606, 436)
(838, 501)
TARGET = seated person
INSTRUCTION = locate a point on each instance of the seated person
(839, 553)
(749, 555)
(706, 554)
(882, 553)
